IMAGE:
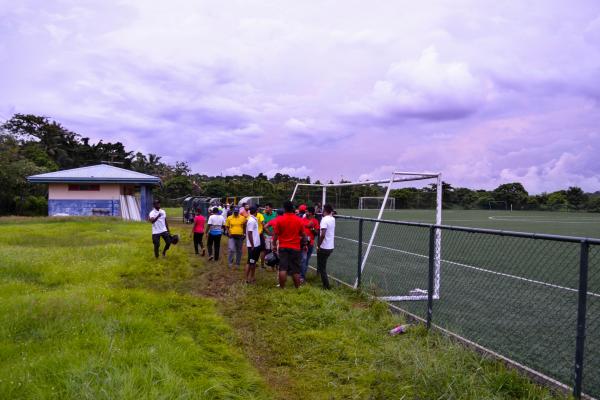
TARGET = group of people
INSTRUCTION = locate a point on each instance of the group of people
(291, 233)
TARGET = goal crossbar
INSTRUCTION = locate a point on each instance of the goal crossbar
(397, 176)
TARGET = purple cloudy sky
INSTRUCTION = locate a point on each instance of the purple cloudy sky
(485, 91)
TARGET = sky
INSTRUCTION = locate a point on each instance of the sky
(485, 92)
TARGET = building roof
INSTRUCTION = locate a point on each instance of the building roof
(96, 173)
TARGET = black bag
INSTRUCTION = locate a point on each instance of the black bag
(174, 239)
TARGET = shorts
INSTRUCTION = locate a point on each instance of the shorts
(268, 243)
(290, 260)
(253, 255)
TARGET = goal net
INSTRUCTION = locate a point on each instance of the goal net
(394, 256)
(375, 203)
(497, 205)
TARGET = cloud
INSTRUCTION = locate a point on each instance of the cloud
(265, 164)
(424, 88)
(481, 92)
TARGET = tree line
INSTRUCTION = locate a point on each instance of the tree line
(32, 144)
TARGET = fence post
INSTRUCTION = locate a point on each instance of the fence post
(581, 317)
(360, 243)
(430, 275)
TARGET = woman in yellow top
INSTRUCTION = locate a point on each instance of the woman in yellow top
(235, 226)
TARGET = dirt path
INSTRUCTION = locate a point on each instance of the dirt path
(215, 280)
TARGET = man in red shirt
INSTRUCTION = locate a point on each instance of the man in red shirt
(289, 233)
(311, 229)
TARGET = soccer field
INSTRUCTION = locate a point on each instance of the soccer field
(557, 223)
(515, 296)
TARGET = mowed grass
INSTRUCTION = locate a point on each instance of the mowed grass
(87, 312)
(552, 222)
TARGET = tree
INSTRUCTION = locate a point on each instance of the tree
(513, 193)
(557, 200)
(576, 197)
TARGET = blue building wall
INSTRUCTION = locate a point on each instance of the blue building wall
(145, 201)
(85, 207)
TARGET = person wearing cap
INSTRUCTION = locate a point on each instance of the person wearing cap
(215, 224)
(253, 244)
(302, 210)
(235, 226)
(160, 228)
(289, 233)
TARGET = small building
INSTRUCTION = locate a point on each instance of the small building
(98, 190)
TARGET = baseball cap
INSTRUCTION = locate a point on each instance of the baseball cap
(253, 209)
(302, 207)
(236, 209)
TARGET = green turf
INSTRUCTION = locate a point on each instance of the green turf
(87, 312)
(515, 296)
(558, 223)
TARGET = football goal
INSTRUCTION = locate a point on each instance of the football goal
(375, 203)
(318, 193)
(498, 205)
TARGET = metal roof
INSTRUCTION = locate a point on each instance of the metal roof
(96, 173)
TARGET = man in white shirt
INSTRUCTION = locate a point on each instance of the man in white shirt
(326, 243)
(253, 244)
(215, 224)
(160, 228)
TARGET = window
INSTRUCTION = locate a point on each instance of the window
(86, 187)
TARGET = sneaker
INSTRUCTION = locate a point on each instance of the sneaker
(210, 258)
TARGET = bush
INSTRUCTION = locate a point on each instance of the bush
(31, 206)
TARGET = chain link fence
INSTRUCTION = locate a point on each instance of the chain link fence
(532, 299)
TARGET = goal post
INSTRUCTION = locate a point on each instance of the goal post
(396, 177)
(370, 203)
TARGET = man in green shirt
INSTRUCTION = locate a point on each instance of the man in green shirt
(269, 215)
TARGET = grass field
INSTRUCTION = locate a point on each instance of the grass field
(515, 296)
(87, 312)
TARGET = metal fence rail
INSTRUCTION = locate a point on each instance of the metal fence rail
(533, 299)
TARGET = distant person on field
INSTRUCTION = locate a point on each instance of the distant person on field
(235, 227)
(325, 247)
(198, 231)
(318, 212)
(253, 244)
(215, 230)
(289, 234)
(311, 229)
(160, 228)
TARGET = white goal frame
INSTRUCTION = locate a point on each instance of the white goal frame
(401, 176)
(361, 205)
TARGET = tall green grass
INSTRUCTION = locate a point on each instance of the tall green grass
(87, 312)
(334, 345)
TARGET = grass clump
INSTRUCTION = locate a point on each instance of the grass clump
(87, 312)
